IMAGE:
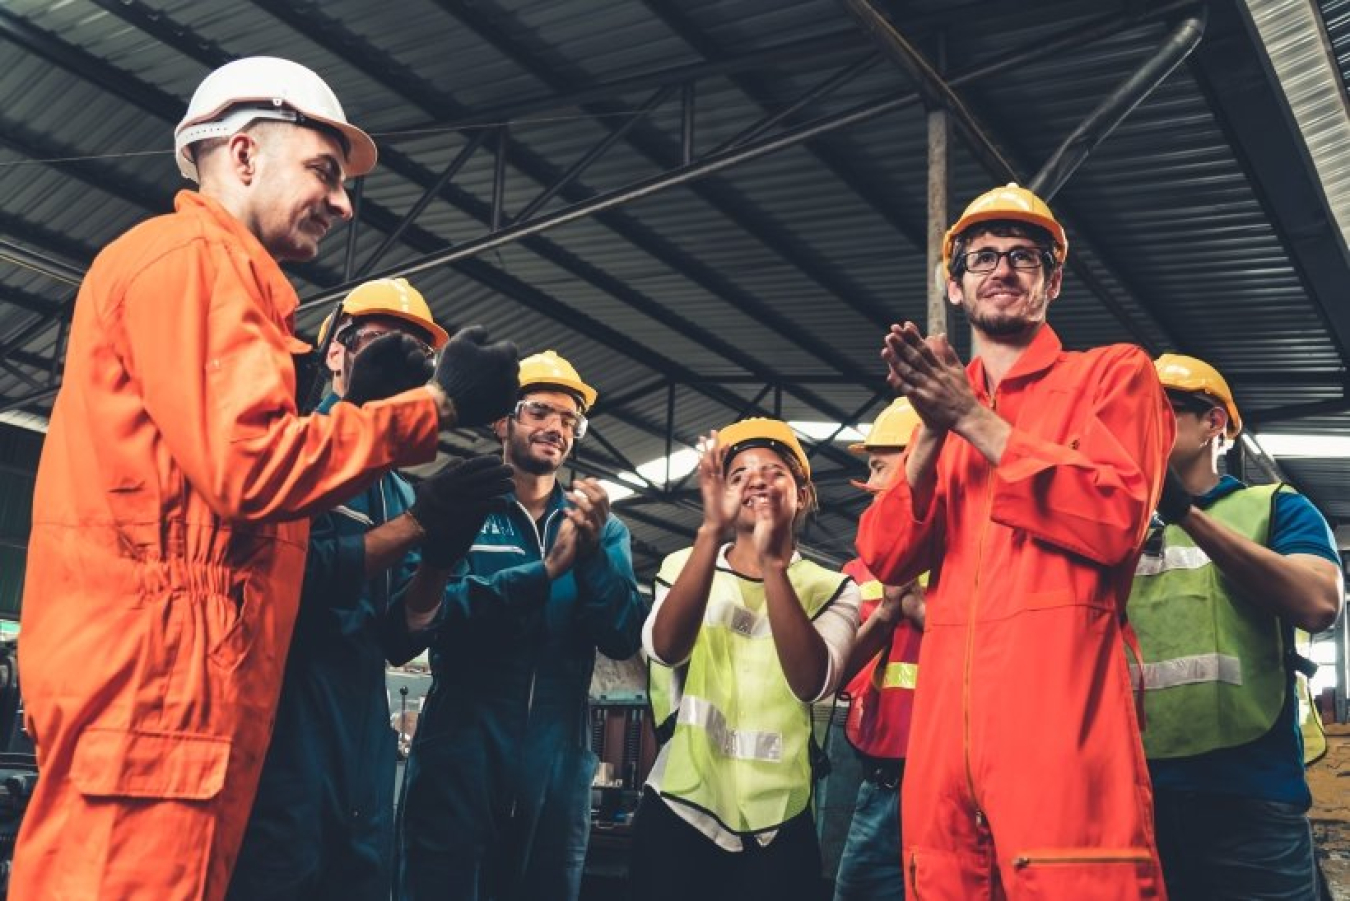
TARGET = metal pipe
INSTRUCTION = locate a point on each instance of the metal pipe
(58, 351)
(499, 178)
(600, 149)
(670, 428)
(1117, 105)
(713, 163)
(939, 187)
(40, 263)
(688, 97)
(434, 189)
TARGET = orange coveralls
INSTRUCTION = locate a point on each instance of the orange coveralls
(1025, 774)
(165, 562)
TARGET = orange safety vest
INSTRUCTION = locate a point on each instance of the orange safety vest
(881, 694)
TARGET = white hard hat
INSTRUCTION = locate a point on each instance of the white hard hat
(265, 87)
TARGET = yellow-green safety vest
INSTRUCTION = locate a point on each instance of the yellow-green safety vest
(1214, 667)
(740, 739)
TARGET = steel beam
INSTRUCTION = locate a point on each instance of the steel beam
(659, 150)
(432, 191)
(802, 55)
(127, 86)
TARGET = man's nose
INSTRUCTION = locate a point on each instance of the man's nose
(340, 203)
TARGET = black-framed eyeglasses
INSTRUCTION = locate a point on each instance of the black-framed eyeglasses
(538, 413)
(355, 339)
(1024, 258)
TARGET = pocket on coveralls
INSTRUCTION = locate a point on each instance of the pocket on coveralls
(150, 805)
(127, 763)
(1059, 873)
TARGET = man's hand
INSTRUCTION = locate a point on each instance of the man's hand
(928, 372)
(913, 605)
(1176, 501)
(562, 556)
(451, 506)
(589, 514)
(389, 365)
(474, 382)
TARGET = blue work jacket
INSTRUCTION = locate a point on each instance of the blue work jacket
(497, 790)
(322, 820)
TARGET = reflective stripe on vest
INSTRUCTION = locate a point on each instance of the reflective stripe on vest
(739, 751)
(741, 745)
(1214, 668)
(1171, 558)
(901, 675)
(1192, 670)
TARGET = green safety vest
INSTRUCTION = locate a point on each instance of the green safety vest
(740, 739)
(1214, 667)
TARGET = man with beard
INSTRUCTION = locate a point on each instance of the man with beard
(322, 824)
(496, 799)
(171, 511)
(1026, 493)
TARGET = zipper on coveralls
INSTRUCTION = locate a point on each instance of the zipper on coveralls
(970, 637)
(1052, 857)
(534, 670)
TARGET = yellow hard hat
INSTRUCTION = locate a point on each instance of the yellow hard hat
(389, 297)
(758, 431)
(1182, 373)
(548, 368)
(1008, 202)
(891, 430)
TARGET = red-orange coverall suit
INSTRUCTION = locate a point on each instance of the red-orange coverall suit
(1025, 772)
(165, 562)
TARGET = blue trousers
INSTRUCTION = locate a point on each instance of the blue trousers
(870, 867)
(1220, 847)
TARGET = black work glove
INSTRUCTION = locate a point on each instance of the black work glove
(451, 506)
(389, 365)
(480, 379)
(1176, 501)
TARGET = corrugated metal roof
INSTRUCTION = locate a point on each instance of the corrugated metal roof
(779, 272)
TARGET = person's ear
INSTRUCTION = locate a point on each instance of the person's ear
(1217, 421)
(1054, 283)
(242, 149)
(335, 356)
